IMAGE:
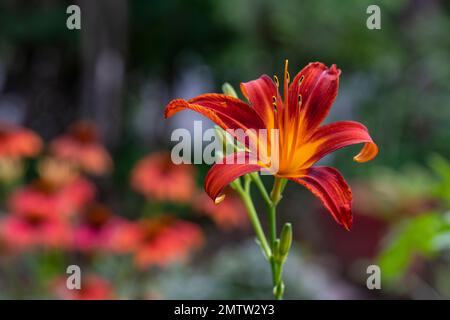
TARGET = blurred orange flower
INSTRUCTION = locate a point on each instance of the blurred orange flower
(165, 240)
(46, 198)
(18, 142)
(229, 214)
(101, 229)
(93, 287)
(56, 171)
(156, 177)
(81, 146)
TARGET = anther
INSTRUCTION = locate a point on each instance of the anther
(277, 82)
(274, 102)
(301, 80)
(288, 77)
(299, 100)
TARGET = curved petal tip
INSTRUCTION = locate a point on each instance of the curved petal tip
(334, 70)
(367, 153)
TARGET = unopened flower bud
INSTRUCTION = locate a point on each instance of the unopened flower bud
(229, 90)
(285, 239)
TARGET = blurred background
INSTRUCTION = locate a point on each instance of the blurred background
(85, 176)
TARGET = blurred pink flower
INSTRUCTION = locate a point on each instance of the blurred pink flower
(81, 146)
(76, 194)
(165, 240)
(18, 142)
(93, 287)
(49, 199)
(102, 230)
(228, 214)
(156, 177)
(26, 229)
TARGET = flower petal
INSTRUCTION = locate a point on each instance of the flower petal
(330, 187)
(227, 112)
(222, 174)
(318, 86)
(260, 93)
(337, 135)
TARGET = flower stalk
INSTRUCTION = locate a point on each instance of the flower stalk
(298, 114)
(277, 251)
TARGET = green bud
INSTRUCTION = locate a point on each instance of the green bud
(229, 145)
(278, 290)
(285, 239)
(220, 134)
(229, 90)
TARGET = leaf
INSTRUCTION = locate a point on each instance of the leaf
(414, 237)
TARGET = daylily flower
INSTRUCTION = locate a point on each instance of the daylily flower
(18, 142)
(297, 116)
(81, 146)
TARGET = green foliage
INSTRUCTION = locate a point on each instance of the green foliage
(441, 167)
(415, 237)
(425, 235)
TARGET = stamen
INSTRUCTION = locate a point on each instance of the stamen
(286, 83)
(219, 199)
(277, 82)
(299, 100)
(301, 80)
(274, 102)
(286, 72)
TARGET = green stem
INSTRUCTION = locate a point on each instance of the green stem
(246, 198)
(272, 208)
(273, 224)
(275, 194)
(276, 261)
(259, 184)
(271, 251)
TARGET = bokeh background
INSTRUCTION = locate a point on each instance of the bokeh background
(85, 177)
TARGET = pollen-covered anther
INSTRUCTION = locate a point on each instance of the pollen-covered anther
(274, 102)
(301, 80)
(288, 77)
(219, 199)
(277, 82)
(299, 100)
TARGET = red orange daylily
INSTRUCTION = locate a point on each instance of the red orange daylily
(297, 115)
